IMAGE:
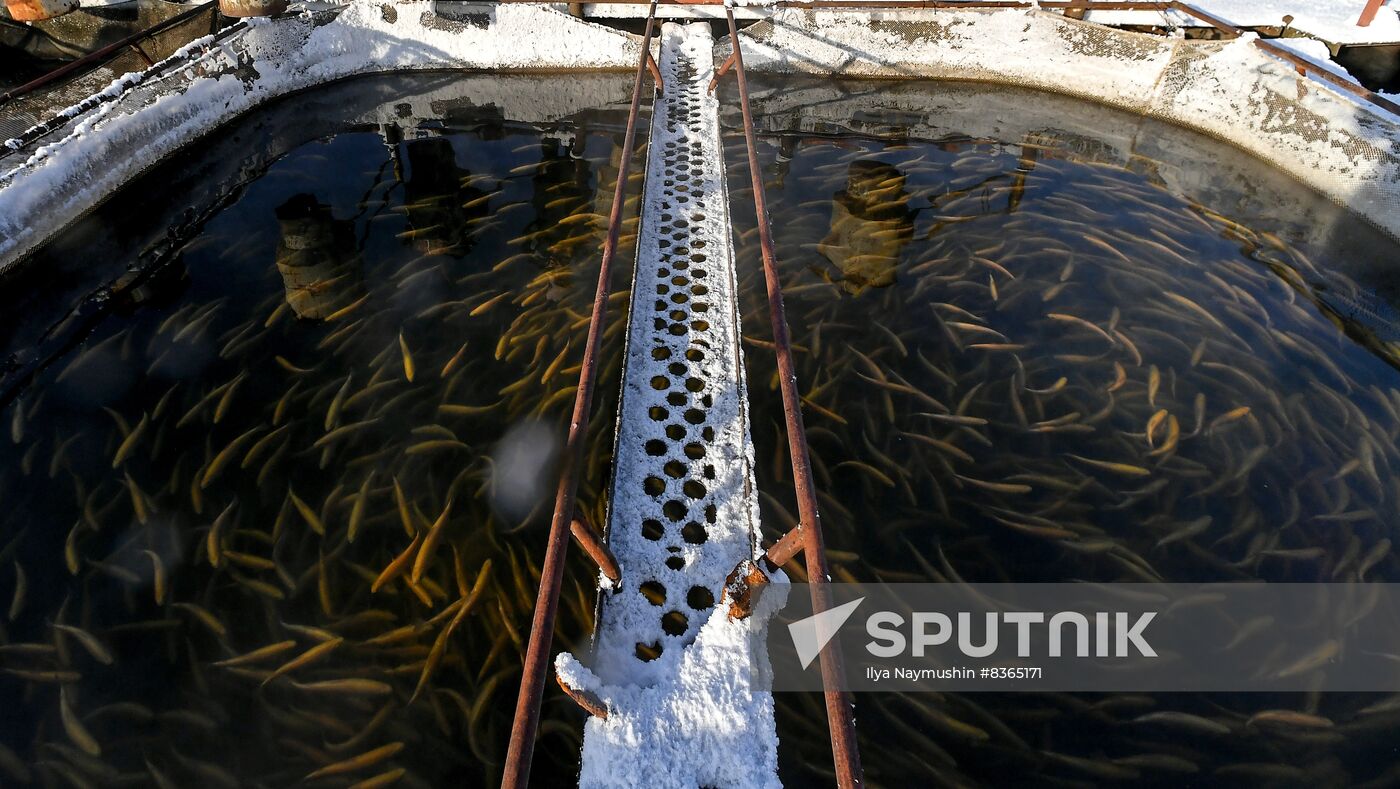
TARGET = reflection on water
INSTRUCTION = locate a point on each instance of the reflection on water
(870, 224)
(275, 516)
(317, 259)
(1032, 350)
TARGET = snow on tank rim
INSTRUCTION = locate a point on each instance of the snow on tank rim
(1323, 137)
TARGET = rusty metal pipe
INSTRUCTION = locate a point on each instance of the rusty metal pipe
(839, 713)
(787, 546)
(107, 51)
(655, 71)
(527, 705)
(592, 544)
(720, 72)
(1368, 14)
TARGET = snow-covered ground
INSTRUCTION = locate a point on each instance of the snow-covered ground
(1330, 20)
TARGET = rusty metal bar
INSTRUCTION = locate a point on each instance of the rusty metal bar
(1298, 62)
(104, 52)
(592, 544)
(720, 72)
(1368, 14)
(585, 699)
(839, 712)
(525, 725)
(655, 72)
(142, 53)
(787, 546)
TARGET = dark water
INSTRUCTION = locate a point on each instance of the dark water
(359, 347)
(17, 68)
(1037, 357)
(1039, 341)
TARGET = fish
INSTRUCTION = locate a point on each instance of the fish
(160, 580)
(355, 763)
(99, 651)
(1122, 469)
(357, 510)
(257, 655)
(435, 655)
(312, 655)
(399, 565)
(213, 546)
(225, 455)
(430, 543)
(349, 686)
(408, 366)
(307, 514)
(1185, 721)
(74, 728)
(387, 778)
(1227, 417)
(129, 443)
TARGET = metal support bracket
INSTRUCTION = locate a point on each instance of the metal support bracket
(592, 544)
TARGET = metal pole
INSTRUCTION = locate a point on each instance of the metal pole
(1368, 14)
(527, 705)
(839, 712)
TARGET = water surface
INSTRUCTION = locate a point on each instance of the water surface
(1041, 341)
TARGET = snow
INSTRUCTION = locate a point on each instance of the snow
(692, 716)
(1232, 90)
(1330, 20)
(710, 723)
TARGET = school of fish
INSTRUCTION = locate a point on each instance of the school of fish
(249, 536)
(1021, 364)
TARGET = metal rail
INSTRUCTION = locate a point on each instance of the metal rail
(527, 707)
(839, 711)
(89, 59)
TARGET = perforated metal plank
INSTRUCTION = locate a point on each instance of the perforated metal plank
(673, 669)
(682, 511)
